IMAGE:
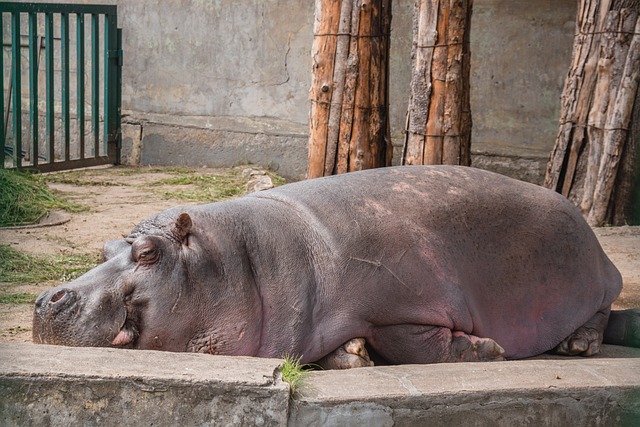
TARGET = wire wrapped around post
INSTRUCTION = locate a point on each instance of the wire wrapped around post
(439, 113)
(349, 117)
(593, 159)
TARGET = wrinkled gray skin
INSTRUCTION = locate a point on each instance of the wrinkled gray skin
(427, 264)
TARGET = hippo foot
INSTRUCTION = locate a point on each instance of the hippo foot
(351, 354)
(469, 348)
(586, 340)
(583, 342)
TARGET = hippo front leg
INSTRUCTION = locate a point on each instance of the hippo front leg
(351, 354)
(432, 344)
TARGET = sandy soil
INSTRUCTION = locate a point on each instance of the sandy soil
(117, 207)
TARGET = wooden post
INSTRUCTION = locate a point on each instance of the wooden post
(349, 118)
(588, 163)
(439, 114)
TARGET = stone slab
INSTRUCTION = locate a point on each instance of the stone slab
(550, 391)
(53, 385)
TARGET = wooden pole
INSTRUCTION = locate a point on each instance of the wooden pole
(595, 116)
(439, 114)
(349, 117)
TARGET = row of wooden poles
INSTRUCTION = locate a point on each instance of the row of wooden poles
(592, 162)
(349, 126)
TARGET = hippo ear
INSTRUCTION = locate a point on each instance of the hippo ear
(182, 227)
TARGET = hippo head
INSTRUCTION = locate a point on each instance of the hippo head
(168, 286)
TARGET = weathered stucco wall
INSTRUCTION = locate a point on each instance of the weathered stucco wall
(246, 58)
(520, 56)
(221, 82)
(227, 60)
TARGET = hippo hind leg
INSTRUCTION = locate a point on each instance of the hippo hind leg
(587, 339)
(623, 328)
(432, 344)
(351, 354)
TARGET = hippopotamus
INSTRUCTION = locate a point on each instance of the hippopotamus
(417, 264)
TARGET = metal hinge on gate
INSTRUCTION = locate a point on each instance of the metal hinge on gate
(117, 55)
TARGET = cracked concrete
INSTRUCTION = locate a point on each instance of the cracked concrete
(544, 391)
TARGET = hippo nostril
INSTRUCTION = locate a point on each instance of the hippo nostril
(58, 296)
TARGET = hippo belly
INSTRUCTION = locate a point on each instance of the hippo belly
(457, 249)
(426, 263)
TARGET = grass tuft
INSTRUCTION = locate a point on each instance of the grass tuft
(25, 199)
(294, 372)
(18, 267)
(205, 188)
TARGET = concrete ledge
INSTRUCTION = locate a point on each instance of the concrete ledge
(552, 392)
(158, 139)
(44, 385)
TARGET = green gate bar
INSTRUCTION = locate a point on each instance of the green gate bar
(111, 102)
(95, 82)
(33, 86)
(16, 68)
(64, 82)
(48, 59)
(2, 134)
(80, 80)
(111, 62)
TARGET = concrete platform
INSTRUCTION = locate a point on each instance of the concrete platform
(49, 385)
(544, 392)
(42, 385)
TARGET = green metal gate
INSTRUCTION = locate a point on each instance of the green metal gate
(67, 125)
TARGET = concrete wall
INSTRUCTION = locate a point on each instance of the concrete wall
(222, 63)
(238, 73)
(43, 385)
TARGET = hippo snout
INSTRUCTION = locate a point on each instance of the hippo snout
(53, 308)
(69, 315)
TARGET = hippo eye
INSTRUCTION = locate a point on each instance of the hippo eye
(147, 256)
(145, 252)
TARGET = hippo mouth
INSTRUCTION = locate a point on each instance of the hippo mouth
(128, 333)
(126, 337)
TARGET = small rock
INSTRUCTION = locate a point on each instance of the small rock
(259, 183)
(246, 173)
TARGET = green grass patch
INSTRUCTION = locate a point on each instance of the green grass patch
(209, 187)
(277, 179)
(174, 170)
(25, 199)
(293, 372)
(80, 179)
(18, 267)
(19, 298)
(205, 188)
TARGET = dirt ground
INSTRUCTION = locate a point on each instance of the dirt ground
(115, 208)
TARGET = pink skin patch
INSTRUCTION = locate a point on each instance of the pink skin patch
(124, 337)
